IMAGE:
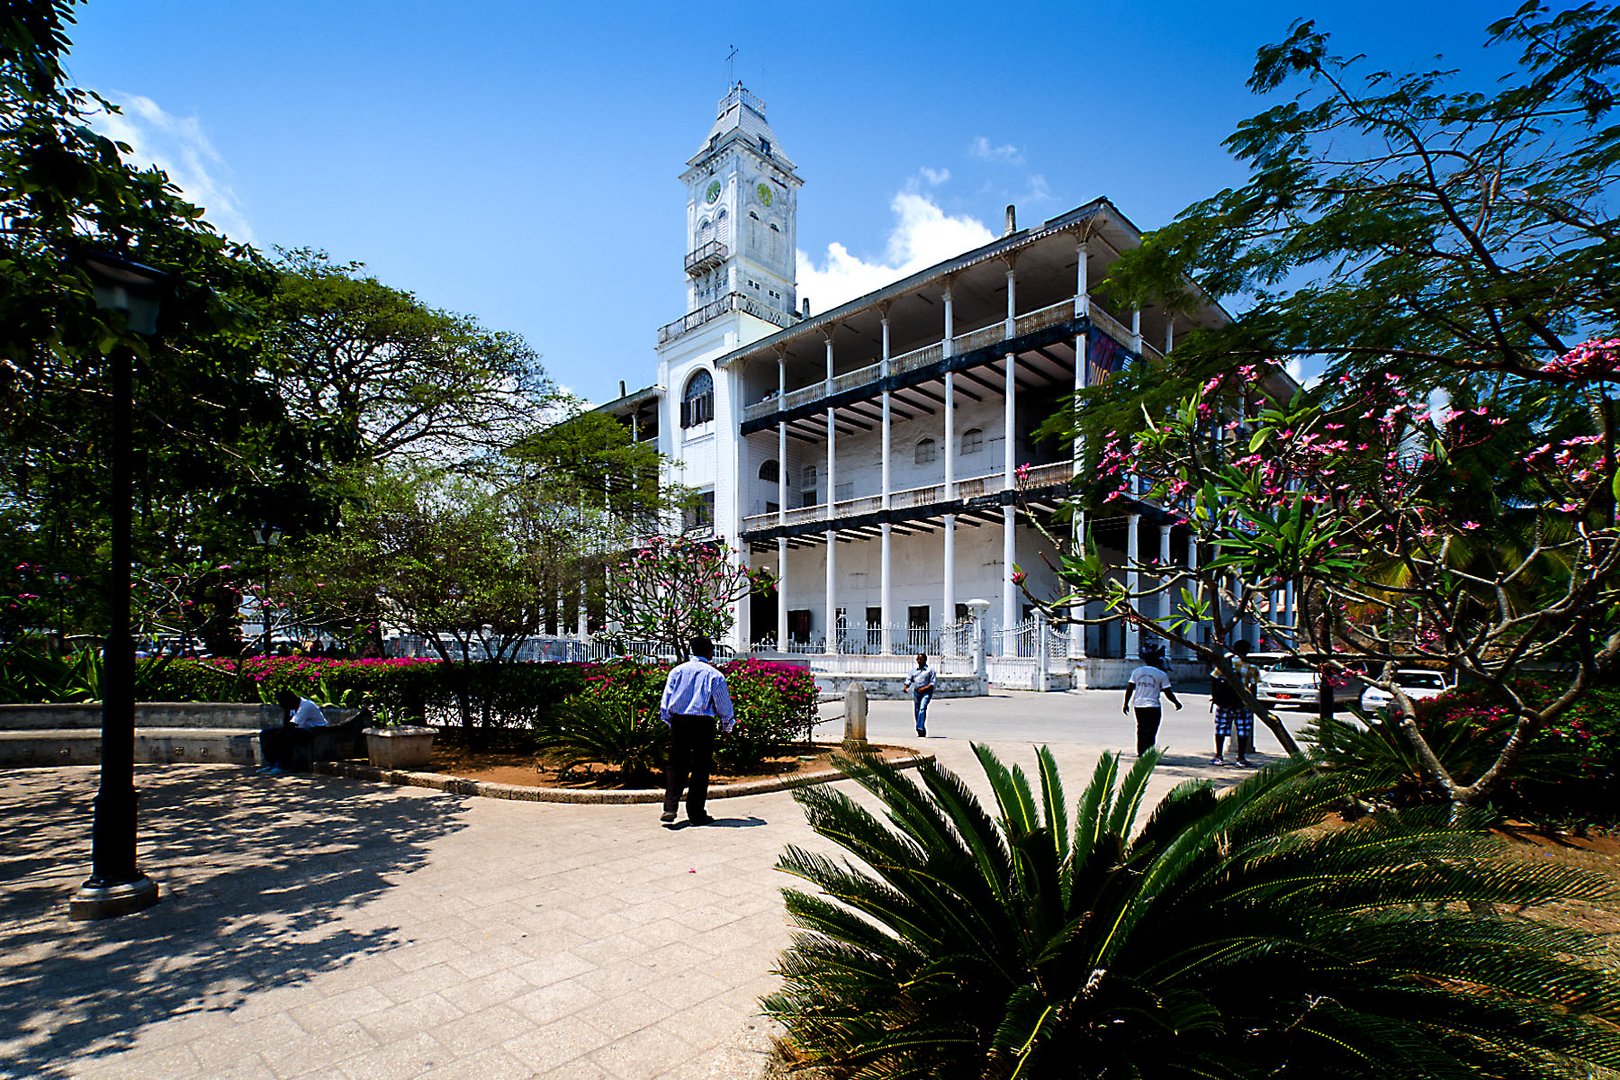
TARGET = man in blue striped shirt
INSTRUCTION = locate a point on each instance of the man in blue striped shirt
(694, 698)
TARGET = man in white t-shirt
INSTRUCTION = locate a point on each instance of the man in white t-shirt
(278, 746)
(1146, 683)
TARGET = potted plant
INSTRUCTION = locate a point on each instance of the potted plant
(394, 745)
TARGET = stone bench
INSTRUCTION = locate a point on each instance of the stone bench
(166, 733)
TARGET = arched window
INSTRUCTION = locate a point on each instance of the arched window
(972, 440)
(722, 227)
(771, 472)
(697, 404)
(927, 451)
(809, 478)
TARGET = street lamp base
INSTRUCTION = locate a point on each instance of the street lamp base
(110, 901)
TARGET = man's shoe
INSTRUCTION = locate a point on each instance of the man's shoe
(698, 819)
(667, 816)
(1217, 761)
(922, 733)
(275, 770)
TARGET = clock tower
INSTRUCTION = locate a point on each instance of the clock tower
(741, 201)
(742, 194)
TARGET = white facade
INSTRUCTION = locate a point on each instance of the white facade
(871, 455)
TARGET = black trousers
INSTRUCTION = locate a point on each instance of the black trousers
(1147, 728)
(691, 755)
(287, 746)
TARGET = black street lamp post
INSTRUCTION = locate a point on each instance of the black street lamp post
(116, 886)
(266, 536)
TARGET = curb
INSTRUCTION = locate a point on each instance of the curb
(458, 785)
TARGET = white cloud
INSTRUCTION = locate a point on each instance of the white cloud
(178, 146)
(923, 234)
(980, 148)
(935, 177)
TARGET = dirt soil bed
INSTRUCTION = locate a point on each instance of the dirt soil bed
(525, 768)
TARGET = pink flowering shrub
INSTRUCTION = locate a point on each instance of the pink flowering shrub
(614, 718)
(1571, 770)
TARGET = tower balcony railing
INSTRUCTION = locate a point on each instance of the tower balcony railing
(707, 257)
(735, 301)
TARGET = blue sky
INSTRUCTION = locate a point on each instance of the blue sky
(517, 161)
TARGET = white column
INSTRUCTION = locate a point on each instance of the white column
(1082, 308)
(781, 594)
(1165, 606)
(948, 600)
(1132, 582)
(583, 622)
(886, 591)
(950, 435)
(832, 439)
(1009, 418)
(1169, 331)
(1082, 281)
(949, 348)
(1012, 304)
(1136, 330)
(1288, 609)
(1192, 567)
(1009, 556)
(832, 590)
(781, 449)
(888, 420)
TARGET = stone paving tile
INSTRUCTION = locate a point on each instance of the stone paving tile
(324, 1055)
(647, 1052)
(491, 1064)
(477, 1031)
(401, 1056)
(553, 1002)
(554, 1045)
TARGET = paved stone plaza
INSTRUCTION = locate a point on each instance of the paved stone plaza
(315, 926)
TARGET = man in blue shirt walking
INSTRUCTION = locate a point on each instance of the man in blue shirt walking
(694, 698)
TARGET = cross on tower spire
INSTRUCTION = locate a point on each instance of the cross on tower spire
(731, 68)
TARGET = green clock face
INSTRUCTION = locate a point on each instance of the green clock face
(766, 196)
(713, 192)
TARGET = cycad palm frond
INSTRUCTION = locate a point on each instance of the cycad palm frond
(1232, 936)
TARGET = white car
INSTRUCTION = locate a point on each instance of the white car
(1292, 681)
(1416, 684)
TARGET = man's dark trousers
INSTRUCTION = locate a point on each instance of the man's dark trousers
(691, 753)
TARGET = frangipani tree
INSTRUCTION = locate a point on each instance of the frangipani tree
(669, 589)
(1410, 535)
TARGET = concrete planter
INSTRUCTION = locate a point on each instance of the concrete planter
(399, 747)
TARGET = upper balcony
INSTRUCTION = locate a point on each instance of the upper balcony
(706, 258)
(991, 487)
(714, 309)
(931, 354)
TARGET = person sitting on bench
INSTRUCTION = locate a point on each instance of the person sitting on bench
(278, 746)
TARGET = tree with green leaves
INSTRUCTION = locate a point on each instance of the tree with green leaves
(385, 375)
(1241, 935)
(213, 444)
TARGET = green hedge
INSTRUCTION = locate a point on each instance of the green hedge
(775, 703)
(490, 697)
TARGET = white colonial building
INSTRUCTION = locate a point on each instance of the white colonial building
(872, 456)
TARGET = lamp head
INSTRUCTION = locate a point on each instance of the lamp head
(125, 285)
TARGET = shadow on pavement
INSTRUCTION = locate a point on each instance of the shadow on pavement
(256, 877)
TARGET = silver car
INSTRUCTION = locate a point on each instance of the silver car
(1292, 681)
(1416, 684)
